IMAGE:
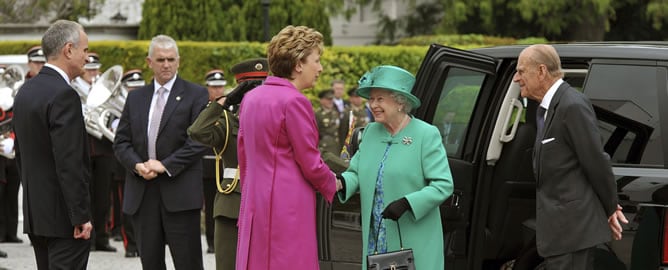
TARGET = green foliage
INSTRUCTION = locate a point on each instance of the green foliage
(28, 11)
(229, 20)
(467, 41)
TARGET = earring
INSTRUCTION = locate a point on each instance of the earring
(399, 109)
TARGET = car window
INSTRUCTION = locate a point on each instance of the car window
(625, 98)
(455, 107)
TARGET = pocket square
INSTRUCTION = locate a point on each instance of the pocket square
(548, 140)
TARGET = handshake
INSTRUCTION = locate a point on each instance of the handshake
(234, 98)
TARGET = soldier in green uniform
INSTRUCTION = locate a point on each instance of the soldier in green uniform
(329, 122)
(217, 126)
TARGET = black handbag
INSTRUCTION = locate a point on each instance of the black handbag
(401, 259)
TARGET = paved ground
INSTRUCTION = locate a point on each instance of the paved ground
(21, 256)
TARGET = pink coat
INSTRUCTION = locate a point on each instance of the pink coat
(281, 170)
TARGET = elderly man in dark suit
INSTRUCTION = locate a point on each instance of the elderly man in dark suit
(52, 153)
(576, 194)
(163, 186)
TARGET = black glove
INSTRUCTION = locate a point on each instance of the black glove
(396, 208)
(234, 97)
(343, 182)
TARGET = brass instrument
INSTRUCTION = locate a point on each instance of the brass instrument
(104, 103)
(11, 80)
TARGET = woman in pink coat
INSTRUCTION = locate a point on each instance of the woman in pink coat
(280, 164)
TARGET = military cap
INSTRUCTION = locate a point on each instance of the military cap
(92, 61)
(133, 78)
(251, 69)
(326, 94)
(215, 77)
(36, 54)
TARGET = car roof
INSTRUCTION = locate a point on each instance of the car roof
(611, 50)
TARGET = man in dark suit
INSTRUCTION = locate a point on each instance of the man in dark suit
(52, 153)
(163, 186)
(576, 194)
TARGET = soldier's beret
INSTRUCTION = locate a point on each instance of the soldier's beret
(36, 54)
(251, 69)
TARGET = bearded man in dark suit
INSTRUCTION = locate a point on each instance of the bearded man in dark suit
(52, 153)
(576, 193)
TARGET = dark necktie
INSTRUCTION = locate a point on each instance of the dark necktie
(540, 122)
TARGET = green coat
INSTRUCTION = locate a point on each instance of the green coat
(416, 168)
(210, 128)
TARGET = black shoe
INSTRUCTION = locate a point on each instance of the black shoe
(106, 247)
(12, 239)
(3, 254)
(210, 250)
(131, 254)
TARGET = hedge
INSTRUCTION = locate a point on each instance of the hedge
(346, 63)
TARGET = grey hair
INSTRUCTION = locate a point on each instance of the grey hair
(402, 100)
(163, 42)
(60, 33)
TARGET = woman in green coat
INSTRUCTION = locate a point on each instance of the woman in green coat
(401, 171)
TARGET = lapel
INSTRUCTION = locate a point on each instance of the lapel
(173, 101)
(145, 106)
(551, 111)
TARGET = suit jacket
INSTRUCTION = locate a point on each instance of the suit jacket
(576, 190)
(52, 155)
(181, 189)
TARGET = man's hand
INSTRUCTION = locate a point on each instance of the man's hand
(145, 171)
(155, 165)
(614, 220)
(82, 231)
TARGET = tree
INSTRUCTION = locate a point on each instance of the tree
(229, 20)
(555, 19)
(29, 11)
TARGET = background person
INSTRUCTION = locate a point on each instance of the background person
(327, 118)
(576, 193)
(52, 153)
(400, 170)
(122, 224)
(163, 186)
(36, 61)
(280, 164)
(218, 126)
(215, 84)
(84, 82)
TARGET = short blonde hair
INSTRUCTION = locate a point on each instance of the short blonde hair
(292, 44)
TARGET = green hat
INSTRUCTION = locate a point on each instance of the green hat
(390, 78)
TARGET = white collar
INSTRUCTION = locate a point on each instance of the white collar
(547, 99)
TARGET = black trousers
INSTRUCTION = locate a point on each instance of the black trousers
(102, 173)
(210, 191)
(9, 199)
(226, 242)
(578, 260)
(121, 221)
(155, 227)
(60, 253)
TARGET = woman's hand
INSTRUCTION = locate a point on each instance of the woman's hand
(396, 209)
